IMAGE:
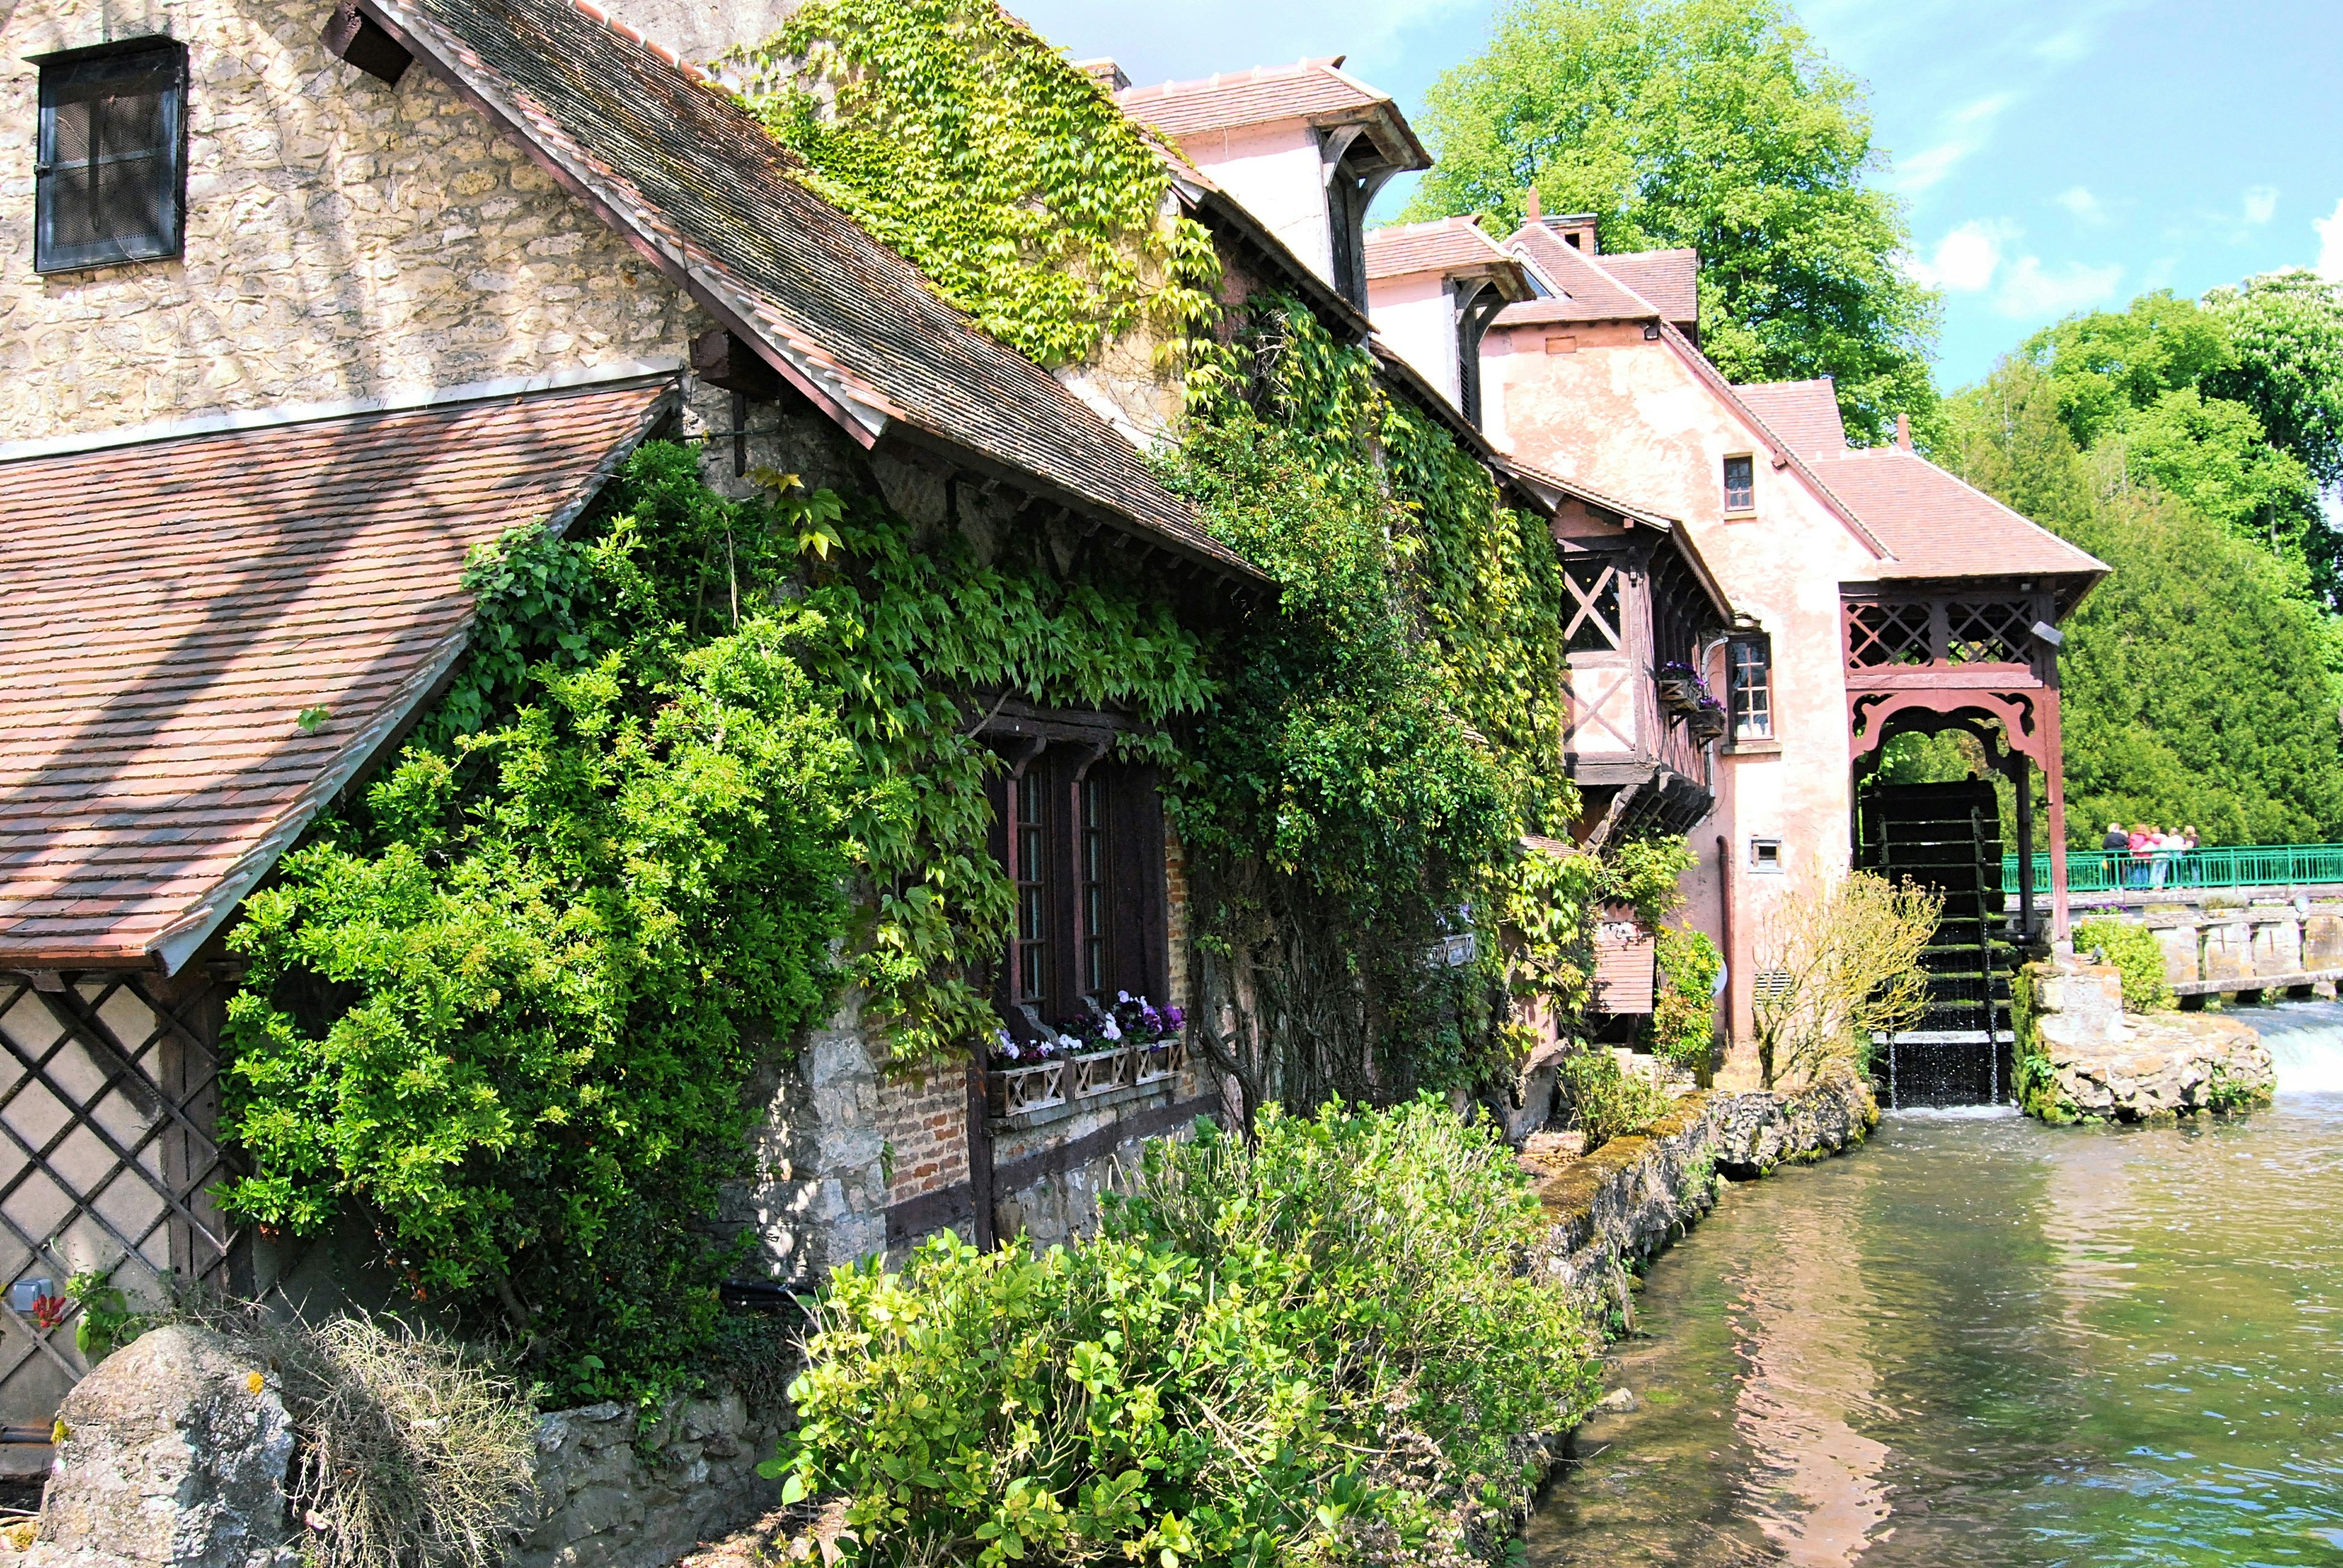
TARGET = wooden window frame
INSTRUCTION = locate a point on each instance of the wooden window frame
(1089, 874)
(1748, 505)
(1749, 704)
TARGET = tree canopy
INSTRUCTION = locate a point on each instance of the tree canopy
(2233, 406)
(1716, 124)
(2199, 684)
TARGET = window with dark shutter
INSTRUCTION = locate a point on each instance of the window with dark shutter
(1740, 484)
(111, 169)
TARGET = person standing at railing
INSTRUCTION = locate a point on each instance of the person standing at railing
(2166, 848)
(2113, 847)
(2136, 848)
(2192, 872)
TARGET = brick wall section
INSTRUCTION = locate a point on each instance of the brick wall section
(345, 239)
(923, 1118)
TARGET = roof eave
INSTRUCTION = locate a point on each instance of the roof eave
(170, 950)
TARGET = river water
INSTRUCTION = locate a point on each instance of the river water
(1979, 1340)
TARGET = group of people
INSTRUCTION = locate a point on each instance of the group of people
(2149, 854)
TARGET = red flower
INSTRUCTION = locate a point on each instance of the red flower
(48, 1311)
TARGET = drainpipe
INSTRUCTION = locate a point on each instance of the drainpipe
(1724, 930)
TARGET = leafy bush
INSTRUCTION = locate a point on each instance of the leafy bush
(1606, 1103)
(1683, 1014)
(1845, 963)
(2133, 951)
(1314, 1347)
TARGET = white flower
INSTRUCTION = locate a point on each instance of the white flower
(1067, 1042)
(1122, 996)
(1112, 1029)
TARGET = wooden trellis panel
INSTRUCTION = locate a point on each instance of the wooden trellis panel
(109, 1105)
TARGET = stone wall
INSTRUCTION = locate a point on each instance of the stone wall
(343, 239)
(608, 1500)
(1633, 1196)
(2082, 1058)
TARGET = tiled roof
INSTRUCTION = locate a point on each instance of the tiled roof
(1802, 413)
(1938, 527)
(194, 596)
(1318, 91)
(1586, 292)
(673, 160)
(1451, 247)
(1670, 279)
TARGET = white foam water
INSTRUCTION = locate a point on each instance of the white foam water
(2306, 1043)
(1954, 1112)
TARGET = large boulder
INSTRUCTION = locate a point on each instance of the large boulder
(172, 1454)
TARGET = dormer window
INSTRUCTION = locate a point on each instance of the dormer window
(1355, 172)
(112, 155)
(1741, 484)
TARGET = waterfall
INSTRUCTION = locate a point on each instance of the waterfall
(2306, 1042)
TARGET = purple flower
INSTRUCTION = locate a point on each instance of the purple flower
(1151, 1017)
(1174, 1017)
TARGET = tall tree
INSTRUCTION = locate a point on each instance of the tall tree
(2287, 331)
(1716, 124)
(2198, 677)
(2157, 386)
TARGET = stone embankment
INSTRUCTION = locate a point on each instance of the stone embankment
(2083, 1058)
(1634, 1195)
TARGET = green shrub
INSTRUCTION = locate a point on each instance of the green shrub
(1683, 1013)
(1604, 1102)
(1318, 1346)
(2133, 951)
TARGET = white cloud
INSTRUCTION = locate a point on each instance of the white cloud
(2087, 207)
(2261, 204)
(1966, 131)
(2031, 291)
(2330, 245)
(1964, 260)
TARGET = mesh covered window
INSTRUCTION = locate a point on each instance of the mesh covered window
(112, 154)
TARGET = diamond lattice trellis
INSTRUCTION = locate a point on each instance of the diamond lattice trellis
(108, 1150)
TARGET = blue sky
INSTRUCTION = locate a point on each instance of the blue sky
(2056, 156)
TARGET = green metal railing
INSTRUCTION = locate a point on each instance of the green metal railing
(2229, 866)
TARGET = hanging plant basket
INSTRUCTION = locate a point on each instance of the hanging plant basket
(1679, 693)
(1707, 723)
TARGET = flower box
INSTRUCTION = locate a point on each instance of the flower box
(1679, 694)
(1098, 1073)
(1013, 1090)
(1707, 723)
(1161, 1060)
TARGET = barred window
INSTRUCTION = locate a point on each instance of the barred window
(111, 155)
(1741, 484)
(1749, 683)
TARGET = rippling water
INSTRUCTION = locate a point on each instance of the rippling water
(1983, 1340)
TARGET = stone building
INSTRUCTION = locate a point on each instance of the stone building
(298, 305)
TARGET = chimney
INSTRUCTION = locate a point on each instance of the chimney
(1904, 432)
(1532, 212)
(1575, 229)
(1105, 73)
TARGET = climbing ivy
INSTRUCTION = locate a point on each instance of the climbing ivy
(952, 132)
(706, 761)
(1386, 741)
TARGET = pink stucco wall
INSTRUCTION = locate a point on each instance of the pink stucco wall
(1629, 417)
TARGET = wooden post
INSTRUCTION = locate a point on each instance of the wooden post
(2022, 775)
(980, 1155)
(2061, 927)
